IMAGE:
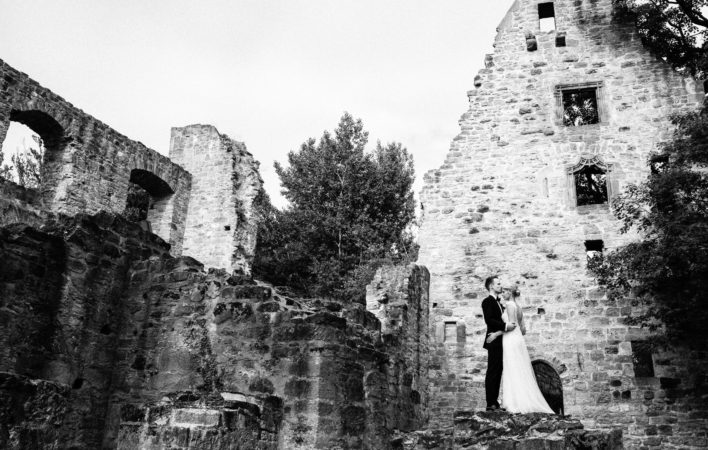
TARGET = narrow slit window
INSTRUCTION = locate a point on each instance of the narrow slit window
(546, 17)
(450, 331)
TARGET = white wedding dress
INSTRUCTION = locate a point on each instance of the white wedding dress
(520, 393)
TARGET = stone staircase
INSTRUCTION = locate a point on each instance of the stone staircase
(496, 430)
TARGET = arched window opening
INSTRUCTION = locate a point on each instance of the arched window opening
(31, 146)
(591, 186)
(589, 182)
(550, 384)
(22, 156)
(147, 202)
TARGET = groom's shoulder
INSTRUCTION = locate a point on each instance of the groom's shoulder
(489, 297)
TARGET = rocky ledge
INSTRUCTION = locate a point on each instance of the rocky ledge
(505, 431)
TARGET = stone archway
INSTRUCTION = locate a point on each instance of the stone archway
(550, 384)
(159, 208)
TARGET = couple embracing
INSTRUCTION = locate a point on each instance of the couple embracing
(508, 363)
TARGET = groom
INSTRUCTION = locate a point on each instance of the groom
(492, 310)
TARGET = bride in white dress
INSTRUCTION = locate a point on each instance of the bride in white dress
(520, 392)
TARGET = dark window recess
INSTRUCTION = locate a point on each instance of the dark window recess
(590, 186)
(594, 248)
(546, 16)
(227, 227)
(560, 40)
(580, 107)
(595, 245)
(137, 203)
(642, 359)
(657, 163)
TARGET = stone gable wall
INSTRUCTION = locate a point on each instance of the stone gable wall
(502, 204)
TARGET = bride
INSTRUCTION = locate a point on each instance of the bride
(520, 393)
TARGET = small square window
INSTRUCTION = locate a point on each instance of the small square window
(580, 107)
(560, 40)
(594, 248)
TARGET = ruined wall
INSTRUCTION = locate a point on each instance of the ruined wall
(503, 202)
(107, 341)
(220, 228)
(88, 165)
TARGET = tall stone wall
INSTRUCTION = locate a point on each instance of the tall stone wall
(106, 341)
(88, 165)
(504, 203)
(220, 228)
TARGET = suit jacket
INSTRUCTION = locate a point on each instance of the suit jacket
(493, 318)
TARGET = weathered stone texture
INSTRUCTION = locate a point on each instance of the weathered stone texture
(88, 165)
(502, 431)
(133, 348)
(502, 202)
(221, 228)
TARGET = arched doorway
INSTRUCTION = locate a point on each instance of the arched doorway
(550, 384)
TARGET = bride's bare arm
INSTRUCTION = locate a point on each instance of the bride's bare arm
(520, 319)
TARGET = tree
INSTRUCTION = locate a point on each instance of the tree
(27, 164)
(667, 270)
(675, 30)
(349, 210)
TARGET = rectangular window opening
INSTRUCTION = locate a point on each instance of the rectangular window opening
(560, 40)
(642, 359)
(594, 248)
(546, 17)
(450, 331)
(580, 107)
(590, 186)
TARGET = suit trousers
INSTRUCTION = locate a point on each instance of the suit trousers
(492, 381)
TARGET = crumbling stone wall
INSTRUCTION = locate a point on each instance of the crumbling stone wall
(221, 227)
(503, 202)
(87, 164)
(107, 341)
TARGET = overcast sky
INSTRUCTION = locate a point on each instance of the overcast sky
(270, 73)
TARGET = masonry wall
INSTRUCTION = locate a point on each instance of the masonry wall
(220, 228)
(88, 165)
(106, 341)
(502, 203)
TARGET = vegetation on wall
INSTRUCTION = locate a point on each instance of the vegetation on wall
(350, 210)
(675, 30)
(667, 269)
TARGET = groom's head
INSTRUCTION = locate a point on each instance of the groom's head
(493, 284)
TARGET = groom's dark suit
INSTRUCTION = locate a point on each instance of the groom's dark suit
(492, 310)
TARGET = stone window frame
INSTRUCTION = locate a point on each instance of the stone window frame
(599, 86)
(585, 161)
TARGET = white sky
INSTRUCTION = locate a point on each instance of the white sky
(271, 73)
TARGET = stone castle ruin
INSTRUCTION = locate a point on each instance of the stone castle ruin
(115, 334)
(524, 192)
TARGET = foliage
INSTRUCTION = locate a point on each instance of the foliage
(580, 108)
(137, 204)
(591, 186)
(27, 164)
(667, 270)
(349, 211)
(675, 30)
